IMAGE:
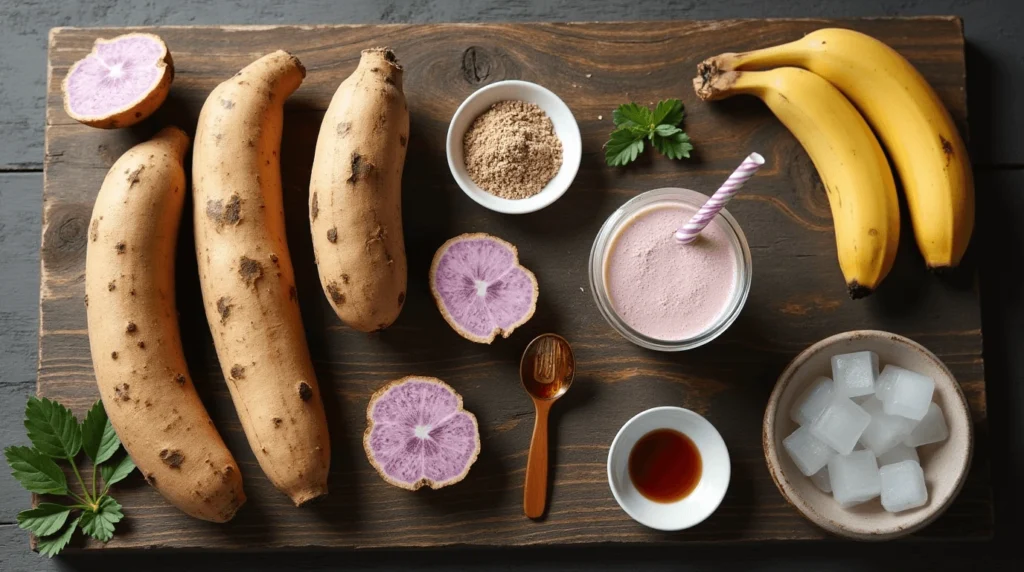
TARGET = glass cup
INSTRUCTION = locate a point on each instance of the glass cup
(599, 254)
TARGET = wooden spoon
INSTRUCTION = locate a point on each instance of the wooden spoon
(547, 370)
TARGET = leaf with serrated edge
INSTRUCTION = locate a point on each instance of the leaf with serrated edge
(622, 148)
(668, 112)
(674, 147)
(99, 441)
(35, 471)
(631, 113)
(52, 428)
(51, 545)
(44, 520)
(100, 524)
(116, 472)
(666, 130)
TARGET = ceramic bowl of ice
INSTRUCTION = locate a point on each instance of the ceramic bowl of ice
(945, 464)
(565, 126)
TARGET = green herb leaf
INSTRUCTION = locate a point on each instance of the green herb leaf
(622, 148)
(52, 428)
(99, 441)
(674, 147)
(668, 112)
(100, 524)
(35, 471)
(631, 113)
(665, 131)
(51, 545)
(116, 472)
(45, 519)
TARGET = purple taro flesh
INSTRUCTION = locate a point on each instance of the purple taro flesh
(419, 435)
(480, 288)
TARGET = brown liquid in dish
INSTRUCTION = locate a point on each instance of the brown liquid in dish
(665, 465)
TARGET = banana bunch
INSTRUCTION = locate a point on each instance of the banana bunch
(806, 86)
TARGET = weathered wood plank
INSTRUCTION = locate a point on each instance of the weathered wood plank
(798, 296)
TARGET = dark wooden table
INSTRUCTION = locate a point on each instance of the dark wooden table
(995, 62)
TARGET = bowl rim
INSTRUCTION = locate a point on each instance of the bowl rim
(548, 195)
(771, 453)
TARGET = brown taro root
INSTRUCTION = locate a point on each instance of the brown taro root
(134, 336)
(355, 194)
(247, 278)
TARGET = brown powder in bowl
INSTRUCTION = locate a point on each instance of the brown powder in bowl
(511, 150)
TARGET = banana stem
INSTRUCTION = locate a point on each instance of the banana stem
(713, 83)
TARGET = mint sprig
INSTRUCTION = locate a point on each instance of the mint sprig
(55, 433)
(634, 123)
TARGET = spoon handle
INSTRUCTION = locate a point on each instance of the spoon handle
(535, 490)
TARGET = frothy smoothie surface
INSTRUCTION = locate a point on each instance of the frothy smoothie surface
(667, 290)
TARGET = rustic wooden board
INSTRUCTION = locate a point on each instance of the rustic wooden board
(798, 295)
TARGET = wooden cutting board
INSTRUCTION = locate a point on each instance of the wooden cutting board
(798, 295)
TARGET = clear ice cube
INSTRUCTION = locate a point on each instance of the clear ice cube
(812, 401)
(898, 453)
(822, 480)
(808, 452)
(903, 486)
(886, 379)
(909, 395)
(855, 373)
(885, 431)
(841, 424)
(854, 478)
(931, 429)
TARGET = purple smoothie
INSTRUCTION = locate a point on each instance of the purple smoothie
(666, 290)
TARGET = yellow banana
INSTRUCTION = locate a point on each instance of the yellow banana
(857, 178)
(926, 149)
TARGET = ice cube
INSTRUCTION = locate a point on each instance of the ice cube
(840, 425)
(854, 478)
(855, 373)
(903, 486)
(909, 395)
(812, 401)
(885, 431)
(931, 429)
(807, 451)
(886, 379)
(822, 480)
(898, 453)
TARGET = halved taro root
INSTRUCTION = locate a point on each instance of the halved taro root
(120, 83)
(419, 435)
(480, 288)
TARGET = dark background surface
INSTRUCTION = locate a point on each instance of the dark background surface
(995, 59)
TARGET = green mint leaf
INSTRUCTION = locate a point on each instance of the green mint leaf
(52, 428)
(44, 520)
(668, 112)
(116, 472)
(35, 471)
(99, 441)
(674, 147)
(633, 114)
(622, 148)
(100, 524)
(664, 130)
(51, 545)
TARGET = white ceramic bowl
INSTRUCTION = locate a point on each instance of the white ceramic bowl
(565, 128)
(714, 479)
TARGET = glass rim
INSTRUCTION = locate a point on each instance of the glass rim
(599, 251)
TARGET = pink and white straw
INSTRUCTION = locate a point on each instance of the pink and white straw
(689, 231)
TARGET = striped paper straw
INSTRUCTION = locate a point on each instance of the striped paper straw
(689, 231)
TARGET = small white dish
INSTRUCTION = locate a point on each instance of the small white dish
(705, 498)
(565, 128)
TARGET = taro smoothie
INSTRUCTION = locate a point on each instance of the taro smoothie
(666, 290)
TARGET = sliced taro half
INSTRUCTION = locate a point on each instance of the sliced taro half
(480, 288)
(419, 435)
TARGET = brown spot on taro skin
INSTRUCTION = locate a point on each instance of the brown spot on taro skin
(374, 70)
(293, 294)
(224, 306)
(173, 458)
(401, 298)
(403, 140)
(277, 422)
(179, 378)
(273, 258)
(132, 291)
(133, 177)
(336, 296)
(121, 247)
(249, 270)
(344, 278)
(305, 391)
(332, 235)
(947, 148)
(121, 392)
(111, 286)
(227, 103)
(150, 479)
(359, 168)
(138, 114)
(86, 300)
(224, 214)
(131, 328)
(237, 372)
(141, 344)
(314, 210)
(113, 355)
(94, 230)
(344, 127)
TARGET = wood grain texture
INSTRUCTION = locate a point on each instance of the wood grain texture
(797, 297)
